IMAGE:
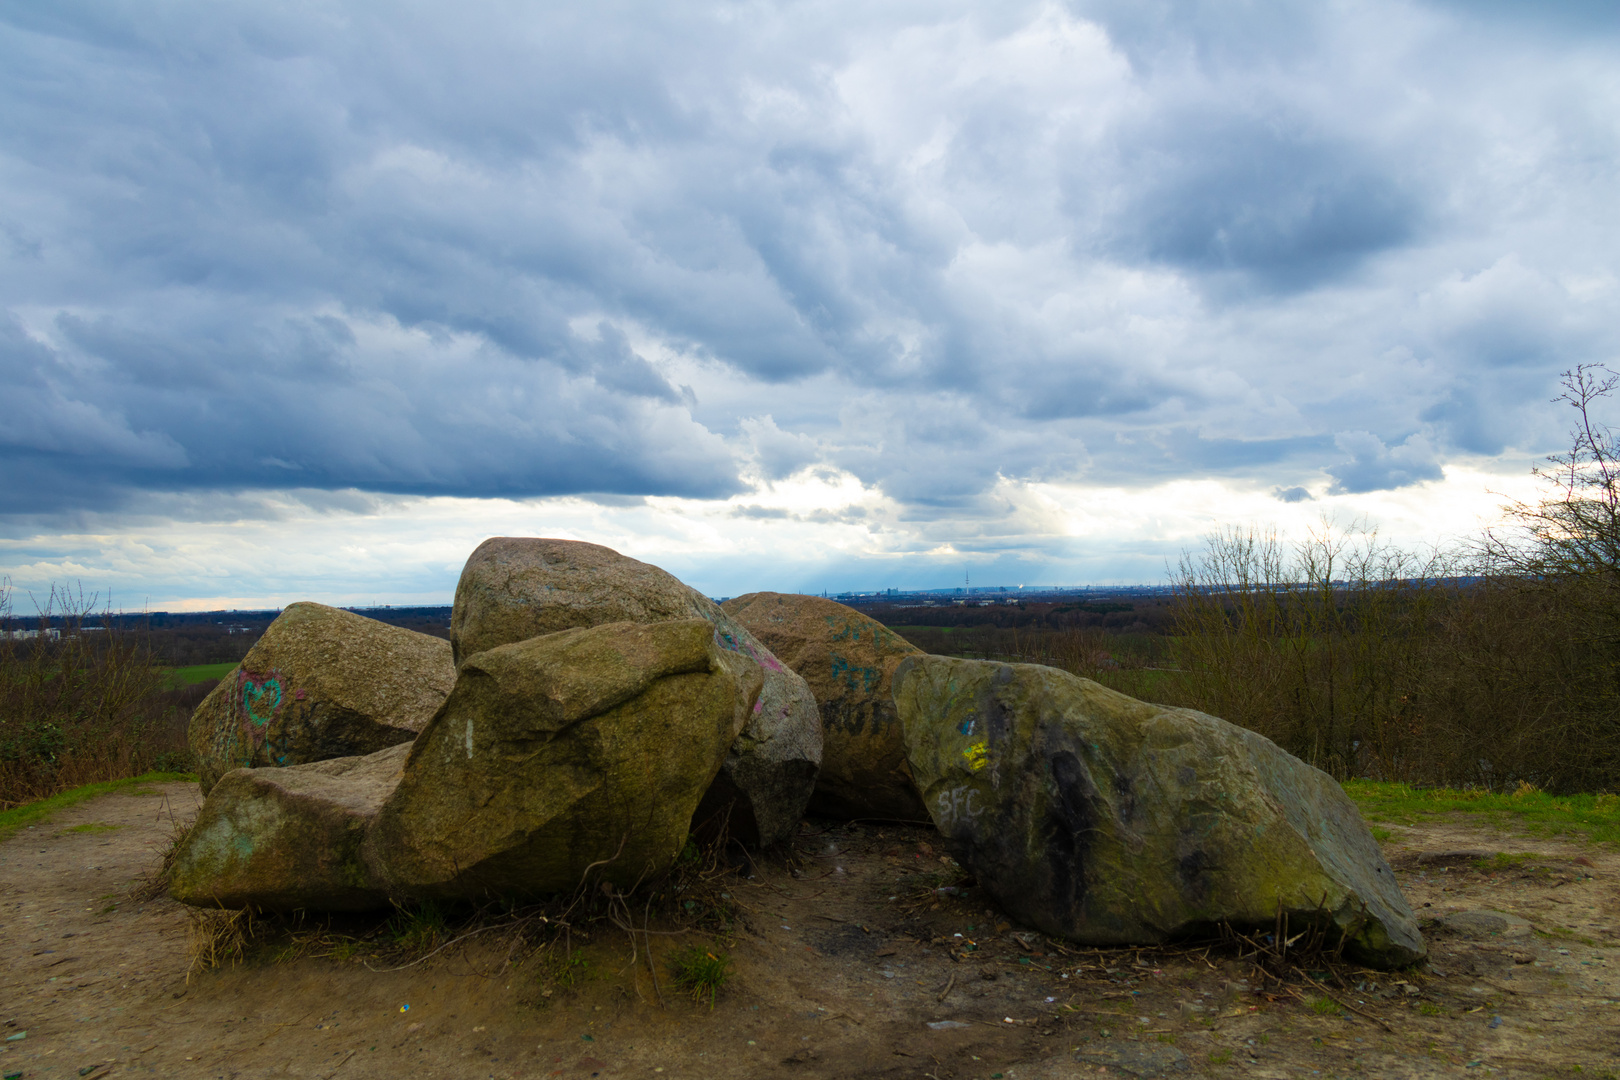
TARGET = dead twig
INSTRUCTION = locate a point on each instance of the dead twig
(340, 1065)
(435, 952)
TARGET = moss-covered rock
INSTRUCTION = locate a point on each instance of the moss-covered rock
(515, 588)
(1107, 820)
(848, 660)
(320, 683)
(285, 839)
(587, 747)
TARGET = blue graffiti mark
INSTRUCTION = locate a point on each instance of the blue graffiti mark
(253, 694)
(849, 672)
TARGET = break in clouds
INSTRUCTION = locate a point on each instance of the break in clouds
(692, 250)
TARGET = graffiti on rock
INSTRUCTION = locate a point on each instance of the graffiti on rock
(260, 700)
(849, 674)
(249, 738)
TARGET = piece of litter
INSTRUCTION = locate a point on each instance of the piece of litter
(946, 1025)
(1050, 1000)
(785, 926)
(19, 1035)
(404, 1008)
(1496, 1022)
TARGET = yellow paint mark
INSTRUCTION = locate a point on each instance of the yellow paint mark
(978, 756)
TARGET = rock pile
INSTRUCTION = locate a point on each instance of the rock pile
(592, 711)
(516, 588)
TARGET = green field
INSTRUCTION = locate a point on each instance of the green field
(196, 673)
(1589, 817)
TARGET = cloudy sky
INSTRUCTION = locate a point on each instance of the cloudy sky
(305, 300)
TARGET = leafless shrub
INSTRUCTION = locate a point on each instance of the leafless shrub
(79, 702)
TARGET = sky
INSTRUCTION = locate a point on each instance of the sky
(303, 301)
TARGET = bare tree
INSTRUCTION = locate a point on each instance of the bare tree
(1575, 529)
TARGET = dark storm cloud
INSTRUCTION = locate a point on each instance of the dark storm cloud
(1261, 198)
(455, 251)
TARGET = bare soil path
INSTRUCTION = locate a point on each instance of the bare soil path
(832, 978)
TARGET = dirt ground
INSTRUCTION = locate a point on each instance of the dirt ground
(844, 966)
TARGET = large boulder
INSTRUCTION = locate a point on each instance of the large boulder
(1093, 816)
(320, 683)
(848, 660)
(285, 839)
(585, 748)
(514, 588)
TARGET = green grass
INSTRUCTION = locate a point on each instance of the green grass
(93, 827)
(699, 971)
(566, 969)
(36, 812)
(196, 673)
(1591, 817)
(418, 928)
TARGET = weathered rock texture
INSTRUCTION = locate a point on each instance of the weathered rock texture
(284, 839)
(588, 746)
(514, 588)
(1100, 818)
(320, 683)
(848, 659)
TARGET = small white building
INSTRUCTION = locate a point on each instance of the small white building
(29, 635)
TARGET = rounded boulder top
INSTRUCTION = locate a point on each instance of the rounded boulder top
(518, 587)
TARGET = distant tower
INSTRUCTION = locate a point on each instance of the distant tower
(967, 579)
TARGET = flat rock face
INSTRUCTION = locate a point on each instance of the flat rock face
(285, 839)
(848, 661)
(515, 588)
(1139, 1059)
(320, 683)
(587, 746)
(1093, 816)
(1485, 925)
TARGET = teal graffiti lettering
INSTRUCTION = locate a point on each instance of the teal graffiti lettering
(850, 673)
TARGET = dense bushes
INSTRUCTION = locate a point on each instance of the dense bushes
(88, 705)
(1367, 662)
